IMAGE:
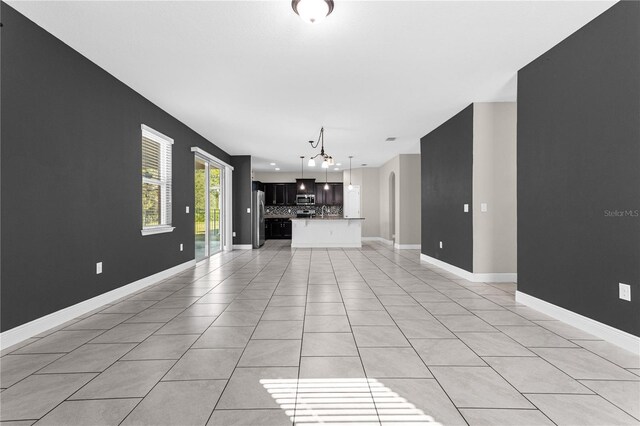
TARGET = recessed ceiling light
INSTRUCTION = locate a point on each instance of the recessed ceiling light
(272, 164)
(391, 139)
(336, 168)
(338, 164)
(277, 169)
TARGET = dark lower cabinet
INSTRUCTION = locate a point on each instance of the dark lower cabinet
(278, 229)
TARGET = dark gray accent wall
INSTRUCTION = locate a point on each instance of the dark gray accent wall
(447, 175)
(70, 178)
(242, 189)
(579, 170)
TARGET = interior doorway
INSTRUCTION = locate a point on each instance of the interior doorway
(208, 207)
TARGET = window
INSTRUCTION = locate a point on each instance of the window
(156, 182)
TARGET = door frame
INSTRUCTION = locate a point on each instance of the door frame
(226, 181)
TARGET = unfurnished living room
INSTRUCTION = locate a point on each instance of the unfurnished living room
(336, 212)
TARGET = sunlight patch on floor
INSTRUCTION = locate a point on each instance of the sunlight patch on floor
(337, 401)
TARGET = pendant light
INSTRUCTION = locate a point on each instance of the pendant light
(312, 10)
(326, 184)
(302, 169)
(350, 187)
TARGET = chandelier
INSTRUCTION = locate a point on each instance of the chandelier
(327, 160)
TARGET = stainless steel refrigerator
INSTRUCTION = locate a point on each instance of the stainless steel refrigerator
(258, 229)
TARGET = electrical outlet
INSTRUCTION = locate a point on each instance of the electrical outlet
(99, 268)
(625, 291)
(466, 208)
(483, 207)
(181, 247)
(186, 209)
(440, 244)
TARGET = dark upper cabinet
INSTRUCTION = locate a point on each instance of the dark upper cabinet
(291, 192)
(338, 196)
(269, 194)
(329, 197)
(280, 194)
(320, 192)
(309, 186)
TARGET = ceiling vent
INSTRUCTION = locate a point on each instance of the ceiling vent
(390, 139)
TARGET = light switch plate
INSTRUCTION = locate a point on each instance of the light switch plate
(466, 208)
(234, 233)
(181, 247)
(99, 268)
(186, 209)
(624, 291)
(483, 207)
(440, 244)
(248, 210)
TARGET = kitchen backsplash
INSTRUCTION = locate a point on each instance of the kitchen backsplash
(291, 210)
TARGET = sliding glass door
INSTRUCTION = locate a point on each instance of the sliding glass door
(208, 178)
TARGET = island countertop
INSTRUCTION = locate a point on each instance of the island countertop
(325, 232)
(327, 218)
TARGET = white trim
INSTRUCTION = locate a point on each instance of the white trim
(326, 245)
(155, 135)
(242, 246)
(157, 230)
(39, 325)
(613, 335)
(470, 276)
(378, 239)
(210, 157)
(407, 246)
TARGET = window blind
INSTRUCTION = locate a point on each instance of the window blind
(156, 179)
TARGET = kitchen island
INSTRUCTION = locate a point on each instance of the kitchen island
(327, 232)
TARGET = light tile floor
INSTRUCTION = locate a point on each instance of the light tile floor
(276, 335)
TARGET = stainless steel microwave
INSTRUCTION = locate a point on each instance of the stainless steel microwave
(305, 199)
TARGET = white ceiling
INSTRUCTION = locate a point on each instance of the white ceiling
(254, 79)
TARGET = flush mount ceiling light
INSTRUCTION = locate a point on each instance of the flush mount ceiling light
(327, 160)
(312, 11)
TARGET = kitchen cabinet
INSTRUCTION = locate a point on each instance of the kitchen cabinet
(280, 194)
(329, 197)
(269, 194)
(309, 186)
(278, 228)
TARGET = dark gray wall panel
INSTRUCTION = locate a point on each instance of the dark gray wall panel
(242, 186)
(447, 175)
(71, 185)
(579, 157)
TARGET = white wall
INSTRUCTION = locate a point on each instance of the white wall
(494, 183)
(410, 200)
(282, 177)
(367, 179)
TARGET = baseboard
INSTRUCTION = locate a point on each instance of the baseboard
(613, 335)
(470, 276)
(242, 246)
(378, 239)
(407, 246)
(39, 325)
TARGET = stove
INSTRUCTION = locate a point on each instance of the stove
(305, 213)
